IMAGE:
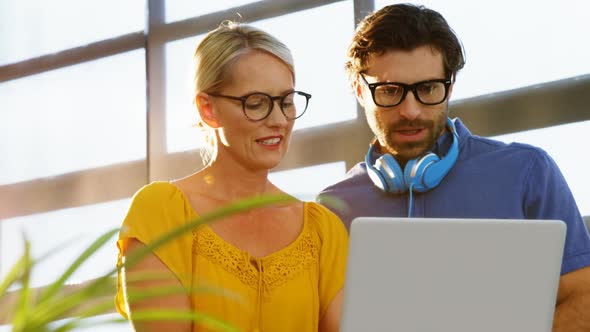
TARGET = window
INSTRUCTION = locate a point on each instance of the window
(511, 44)
(31, 28)
(319, 50)
(319, 73)
(179, 10)
(74, 118)
(89, 118)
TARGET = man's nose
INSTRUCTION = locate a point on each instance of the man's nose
(410, 107)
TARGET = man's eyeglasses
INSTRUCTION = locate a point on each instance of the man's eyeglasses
(388, 94)
(257, 106)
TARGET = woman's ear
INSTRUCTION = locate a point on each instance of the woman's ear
(205, 108)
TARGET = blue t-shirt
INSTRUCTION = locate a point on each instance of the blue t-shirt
(490, 179)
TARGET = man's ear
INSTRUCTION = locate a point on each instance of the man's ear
(204, 106)
(450, 90)
(358, 91)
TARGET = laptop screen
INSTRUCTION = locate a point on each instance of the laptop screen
(459, 275)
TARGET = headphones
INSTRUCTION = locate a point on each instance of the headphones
(420, 174)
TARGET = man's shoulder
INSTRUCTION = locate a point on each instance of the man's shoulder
(477, 146)
(472, 145)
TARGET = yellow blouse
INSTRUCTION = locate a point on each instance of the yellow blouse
(288, 290)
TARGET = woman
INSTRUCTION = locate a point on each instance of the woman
(281, 267)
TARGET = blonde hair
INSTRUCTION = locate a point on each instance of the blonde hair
(216, 53)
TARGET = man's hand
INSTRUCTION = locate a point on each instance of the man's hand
(572, 313)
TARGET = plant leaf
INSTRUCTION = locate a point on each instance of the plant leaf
(58, 307)
(13, 275)
(54, 306)
(59, 283)
(22, 307)
(16, 270)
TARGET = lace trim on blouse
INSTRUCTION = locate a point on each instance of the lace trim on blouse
(268, 272)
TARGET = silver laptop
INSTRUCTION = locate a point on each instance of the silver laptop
(452, 275)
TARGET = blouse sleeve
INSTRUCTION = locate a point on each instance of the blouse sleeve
(333, 254)
(156, 209)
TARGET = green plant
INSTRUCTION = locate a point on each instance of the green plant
(45, 311)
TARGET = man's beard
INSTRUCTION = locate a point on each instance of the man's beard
(405, 151)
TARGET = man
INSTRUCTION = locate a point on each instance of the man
(402, 64)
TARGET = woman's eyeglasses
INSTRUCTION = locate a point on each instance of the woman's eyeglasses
(257, 106)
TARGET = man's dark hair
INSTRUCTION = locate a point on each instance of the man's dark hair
(404, 27)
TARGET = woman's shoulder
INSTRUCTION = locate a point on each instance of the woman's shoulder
(157, 191)
(156, 207)
(158, 195)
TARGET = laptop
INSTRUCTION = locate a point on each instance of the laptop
(452, 275)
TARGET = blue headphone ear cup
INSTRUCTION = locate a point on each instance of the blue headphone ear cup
(392, 173)
(374, 173)
(434, 174)
(427, 172)
(415, 170)
(376, 177)
(421, 174)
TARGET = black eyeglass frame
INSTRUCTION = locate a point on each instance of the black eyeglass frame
(408, 87)
(272, 104)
